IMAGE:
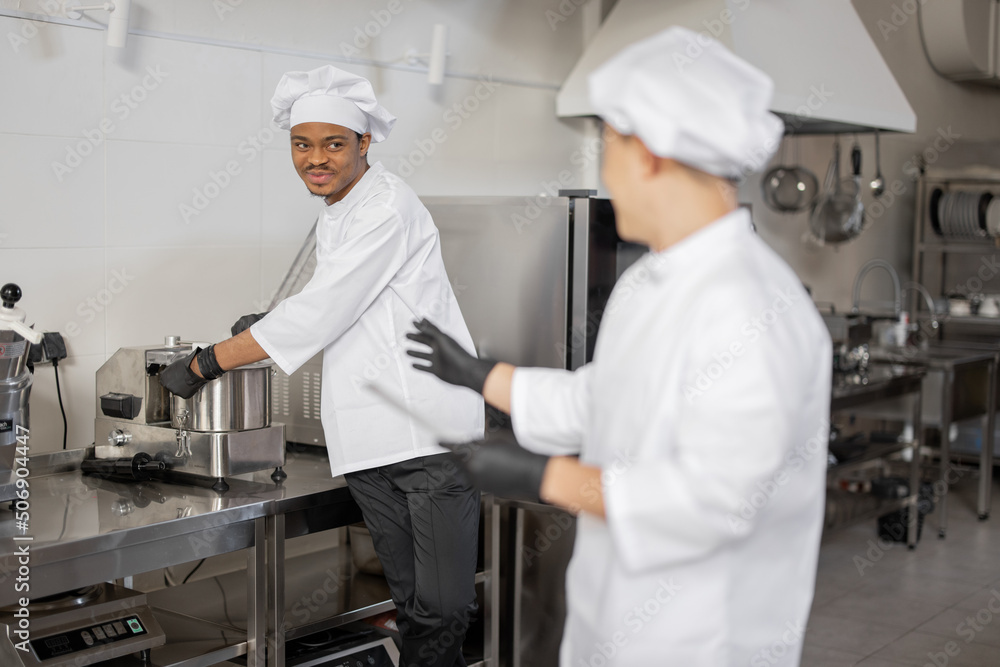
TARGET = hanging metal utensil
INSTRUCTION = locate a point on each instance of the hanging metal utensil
(772, 180)
(836, 217)
(789, 189)
(823, 212)
(806, 185)
(856, 221)
(878, 183)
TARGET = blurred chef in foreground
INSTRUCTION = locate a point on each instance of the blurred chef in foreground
(701, 424)
(378, 264)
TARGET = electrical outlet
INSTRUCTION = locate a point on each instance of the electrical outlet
(52, 348)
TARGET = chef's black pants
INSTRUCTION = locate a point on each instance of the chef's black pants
(424, 519)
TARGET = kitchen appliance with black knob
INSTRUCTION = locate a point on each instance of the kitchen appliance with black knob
(15, 386)
(223, 430)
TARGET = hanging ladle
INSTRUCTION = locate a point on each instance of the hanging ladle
(878, 183)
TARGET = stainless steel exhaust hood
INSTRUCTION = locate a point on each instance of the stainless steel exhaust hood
(829, 76)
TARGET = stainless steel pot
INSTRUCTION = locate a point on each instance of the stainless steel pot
(13, 354)
(240, 400)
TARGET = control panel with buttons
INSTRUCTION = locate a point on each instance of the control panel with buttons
(81, 639)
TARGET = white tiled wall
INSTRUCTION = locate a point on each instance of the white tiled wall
(62, 72)
(41, 208)
(118, 217)
(194, 292)
(168, 194)
(184, 93)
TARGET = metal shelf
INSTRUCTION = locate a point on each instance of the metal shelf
(874, 451)
(325, 592)
(191, 642)
(968, 247)
(970, 319)
(886, 382)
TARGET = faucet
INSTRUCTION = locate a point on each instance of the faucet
(897, 290)
(928, 300)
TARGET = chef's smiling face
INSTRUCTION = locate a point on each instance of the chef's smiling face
(329, 158)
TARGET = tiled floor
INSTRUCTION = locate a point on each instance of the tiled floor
(935, 606)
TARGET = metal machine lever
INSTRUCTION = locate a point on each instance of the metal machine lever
(139, 467)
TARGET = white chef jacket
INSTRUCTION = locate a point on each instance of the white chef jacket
(706, 407)
(378, 269)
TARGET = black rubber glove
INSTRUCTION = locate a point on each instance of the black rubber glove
(178, 378)
(208, 365)
(448, 360)
(502, 466)
(246, 322)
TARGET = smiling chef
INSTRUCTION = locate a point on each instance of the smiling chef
(700, 504)
(378, 267)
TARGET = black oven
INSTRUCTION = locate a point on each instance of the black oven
(598, 258)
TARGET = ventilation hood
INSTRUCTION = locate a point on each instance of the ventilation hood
(829, 76)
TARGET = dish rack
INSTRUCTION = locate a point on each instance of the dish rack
(957, 252)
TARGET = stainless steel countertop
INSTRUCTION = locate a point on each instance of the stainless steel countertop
(884, 380)
(75, 517)
(937, 357)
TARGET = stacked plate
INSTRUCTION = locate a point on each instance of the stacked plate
(961, 214)
(993, 218)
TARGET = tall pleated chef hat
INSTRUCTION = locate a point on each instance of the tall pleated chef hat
(330, 95)
(690, 99)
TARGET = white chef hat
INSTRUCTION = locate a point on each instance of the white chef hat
(689, 99)
(330, 95)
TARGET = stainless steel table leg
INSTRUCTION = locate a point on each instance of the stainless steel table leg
(491, 587)
(986, 455)
(275, 541)
(256, 598)
(947, 392)
(914, 499)
(517, 576)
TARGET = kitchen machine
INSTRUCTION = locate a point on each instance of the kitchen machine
(225, 429)
(15, 386)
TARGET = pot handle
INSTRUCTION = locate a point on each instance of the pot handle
(27, 332)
